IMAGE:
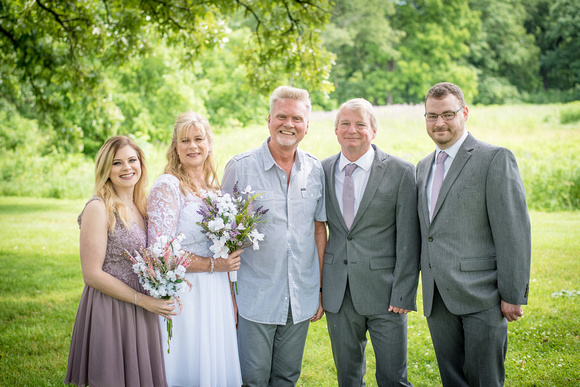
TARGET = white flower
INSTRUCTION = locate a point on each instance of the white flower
(216, 224)
(180, 271)
(255, 236)
(241, 226)
(248, 190)
(213, 196)
(219, 248)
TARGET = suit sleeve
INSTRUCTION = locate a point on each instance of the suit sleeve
(404, 293)
(510, 227)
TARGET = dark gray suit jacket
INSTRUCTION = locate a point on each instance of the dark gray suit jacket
(380, 253)
(478, 246)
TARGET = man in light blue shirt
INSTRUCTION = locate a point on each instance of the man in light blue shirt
(278, 285)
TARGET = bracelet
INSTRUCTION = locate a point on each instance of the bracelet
(212, 263)
(320, 290)
(138, 299)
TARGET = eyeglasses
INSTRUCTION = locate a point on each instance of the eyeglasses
(431, 117)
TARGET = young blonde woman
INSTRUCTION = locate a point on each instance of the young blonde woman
(116, 338)
(204, 350)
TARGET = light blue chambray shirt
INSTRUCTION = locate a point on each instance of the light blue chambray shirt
(284, 271)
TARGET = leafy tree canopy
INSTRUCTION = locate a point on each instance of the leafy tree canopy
(504, 53)
(55, 55)
(392, 52)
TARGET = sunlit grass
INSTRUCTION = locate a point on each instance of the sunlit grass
(41, 284)
(41, 281)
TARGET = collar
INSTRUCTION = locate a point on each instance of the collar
(453, 149)
(268, 160)
(365, 161)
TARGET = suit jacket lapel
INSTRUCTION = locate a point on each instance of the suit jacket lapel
(423, 174)
(463, 154)
(378, 169)
(332, 191)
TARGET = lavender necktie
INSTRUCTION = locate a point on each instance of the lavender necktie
(348, 195)
(438, 179)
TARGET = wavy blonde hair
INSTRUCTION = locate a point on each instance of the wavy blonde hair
(105, 189)
(289, 92)
(185, 122)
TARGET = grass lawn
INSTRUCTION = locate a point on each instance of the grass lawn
(41, 283)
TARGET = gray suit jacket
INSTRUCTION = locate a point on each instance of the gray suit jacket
(477, 249)
(380, 253)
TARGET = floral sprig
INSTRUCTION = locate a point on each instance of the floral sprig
(230, 222)
(161, 270)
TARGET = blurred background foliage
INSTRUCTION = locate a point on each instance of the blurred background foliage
(73, 73)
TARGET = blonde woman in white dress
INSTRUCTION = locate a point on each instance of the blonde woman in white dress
(204, 350)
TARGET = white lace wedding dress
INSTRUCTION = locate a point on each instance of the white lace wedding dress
(204, 349)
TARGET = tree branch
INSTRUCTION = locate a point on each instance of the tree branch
(256, 17)
(53, 13)
(293, 22)
(9, 36)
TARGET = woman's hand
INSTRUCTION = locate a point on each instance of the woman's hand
(164, 308)
(232, 263)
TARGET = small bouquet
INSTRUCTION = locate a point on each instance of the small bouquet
(161, 269)
(230, 222)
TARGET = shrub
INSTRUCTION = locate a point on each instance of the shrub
(570, 113)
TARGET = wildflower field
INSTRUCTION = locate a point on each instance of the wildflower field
(41, 280)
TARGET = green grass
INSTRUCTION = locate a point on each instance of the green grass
(41, 281)
(41, 284)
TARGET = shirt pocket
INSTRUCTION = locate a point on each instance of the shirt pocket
(266, 200)
(309, 198)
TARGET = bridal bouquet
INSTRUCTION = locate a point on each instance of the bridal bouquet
(161, 269)
(230, 222)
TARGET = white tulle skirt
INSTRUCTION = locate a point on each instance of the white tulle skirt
(204, 348)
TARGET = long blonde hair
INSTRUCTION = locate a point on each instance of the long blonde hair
(105, 189)
(187, 121)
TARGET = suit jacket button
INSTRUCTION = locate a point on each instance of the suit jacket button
(345, 261)
(430, 239)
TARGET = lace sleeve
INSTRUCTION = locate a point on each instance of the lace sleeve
(163, 206)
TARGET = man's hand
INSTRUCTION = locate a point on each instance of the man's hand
(511, 312)
(394, 309)
(319, 312)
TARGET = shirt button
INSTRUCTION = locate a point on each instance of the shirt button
(345, 261)
(430, 239)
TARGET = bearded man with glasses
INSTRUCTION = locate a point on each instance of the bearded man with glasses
(475, 244)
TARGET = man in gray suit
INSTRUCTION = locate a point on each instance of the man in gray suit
(476, 244)
(371, 263)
